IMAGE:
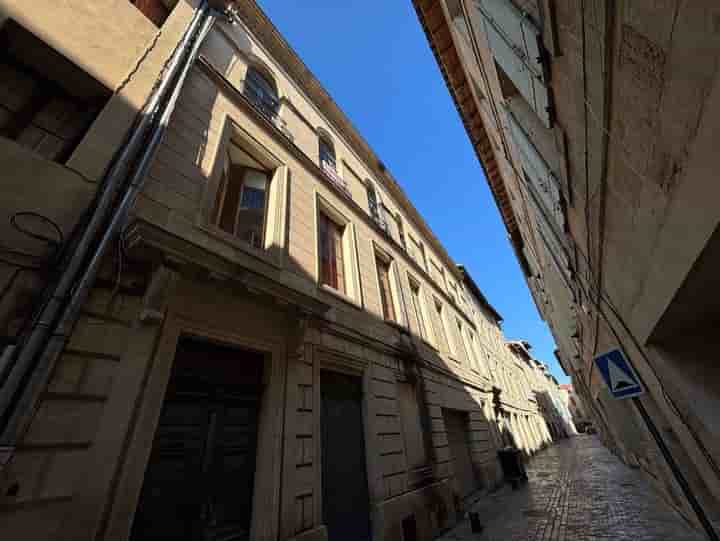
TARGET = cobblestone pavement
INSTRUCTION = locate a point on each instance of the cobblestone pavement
(577, 491)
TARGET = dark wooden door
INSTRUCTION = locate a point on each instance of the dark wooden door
(199, 480)
(346, 502)
(464, 480)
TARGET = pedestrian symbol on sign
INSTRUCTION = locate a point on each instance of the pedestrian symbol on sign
(620, 378)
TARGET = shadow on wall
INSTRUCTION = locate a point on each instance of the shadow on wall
(458, 440)
(554, 418)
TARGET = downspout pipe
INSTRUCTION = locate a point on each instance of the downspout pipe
(52, 329)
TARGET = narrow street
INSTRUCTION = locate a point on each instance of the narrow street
(577, 491)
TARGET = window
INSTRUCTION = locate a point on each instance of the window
(45, 110)
(392, 224)
(417, 308)
(461, 339)
(442, 335)
(155, 10)
(383, 271)
(241, 200)
(374, 207)
(475, 352)
(452, 289)
(327, 154)
(260, 89)
(412, 427)
(332, 263)
(417, 251)
(515, 43)
(400, 230)
(328, 162)
(437, 274)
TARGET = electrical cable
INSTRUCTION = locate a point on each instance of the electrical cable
(36, 262)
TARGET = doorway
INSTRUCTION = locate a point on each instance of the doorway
(198, 483)
(346, 501)
(464, 480)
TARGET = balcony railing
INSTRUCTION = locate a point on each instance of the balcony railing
(330, 172)
(266, 104)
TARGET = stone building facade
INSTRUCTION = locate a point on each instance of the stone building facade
(220, 313)
(594, 123)
(577, 410)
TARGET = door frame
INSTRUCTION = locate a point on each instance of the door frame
(357, 367)
(266, 492)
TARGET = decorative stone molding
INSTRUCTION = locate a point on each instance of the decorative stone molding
(154, 304)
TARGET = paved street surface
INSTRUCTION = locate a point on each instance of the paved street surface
(577, 491)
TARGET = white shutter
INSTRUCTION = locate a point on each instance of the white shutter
(541, 176)
(515, 42)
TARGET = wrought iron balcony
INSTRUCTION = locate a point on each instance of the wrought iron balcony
(330, 171)
(266, 104)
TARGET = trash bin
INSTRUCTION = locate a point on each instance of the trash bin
(512, 465)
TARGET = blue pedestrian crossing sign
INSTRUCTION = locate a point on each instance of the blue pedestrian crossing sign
(619, 376)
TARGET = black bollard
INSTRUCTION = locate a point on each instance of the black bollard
(475, 524)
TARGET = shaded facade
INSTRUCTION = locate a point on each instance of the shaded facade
(595, 132)
(221, 316)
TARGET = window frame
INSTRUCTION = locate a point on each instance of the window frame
(353, 291)
(419, 309)
(269, 108)
(439, 313)
(48, 90)
(325, 141)
(384, 279)
(276, 199)
(220, 204)
(461, 339)
(334, 233)
(394, 282)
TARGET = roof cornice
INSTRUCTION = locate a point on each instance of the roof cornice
(437, 31)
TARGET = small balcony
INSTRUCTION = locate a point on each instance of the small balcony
(266, 104)
(330, 171)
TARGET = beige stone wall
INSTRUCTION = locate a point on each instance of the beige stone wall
(631, 147)
(78, 470)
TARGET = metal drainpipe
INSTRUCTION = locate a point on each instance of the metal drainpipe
(52, 328)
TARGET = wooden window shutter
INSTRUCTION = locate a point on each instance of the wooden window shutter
(385, 291)
(337, 259)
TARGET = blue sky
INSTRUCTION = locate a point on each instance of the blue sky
(374, 59)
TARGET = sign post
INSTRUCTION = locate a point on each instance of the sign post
(623, 382)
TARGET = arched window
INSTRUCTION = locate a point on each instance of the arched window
(375, 205)
(260, 89)
(327, 153)
(372, 202)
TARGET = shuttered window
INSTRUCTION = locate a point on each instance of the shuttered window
(154, 10)
(400, 230)
(461, 340)
(539, 176)
(383, 270)
(516, 45)
(443, 343)
(47, 111)
(332, 266)
(417, 251)
(476, 353)
(417, 308)
(452, 289)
